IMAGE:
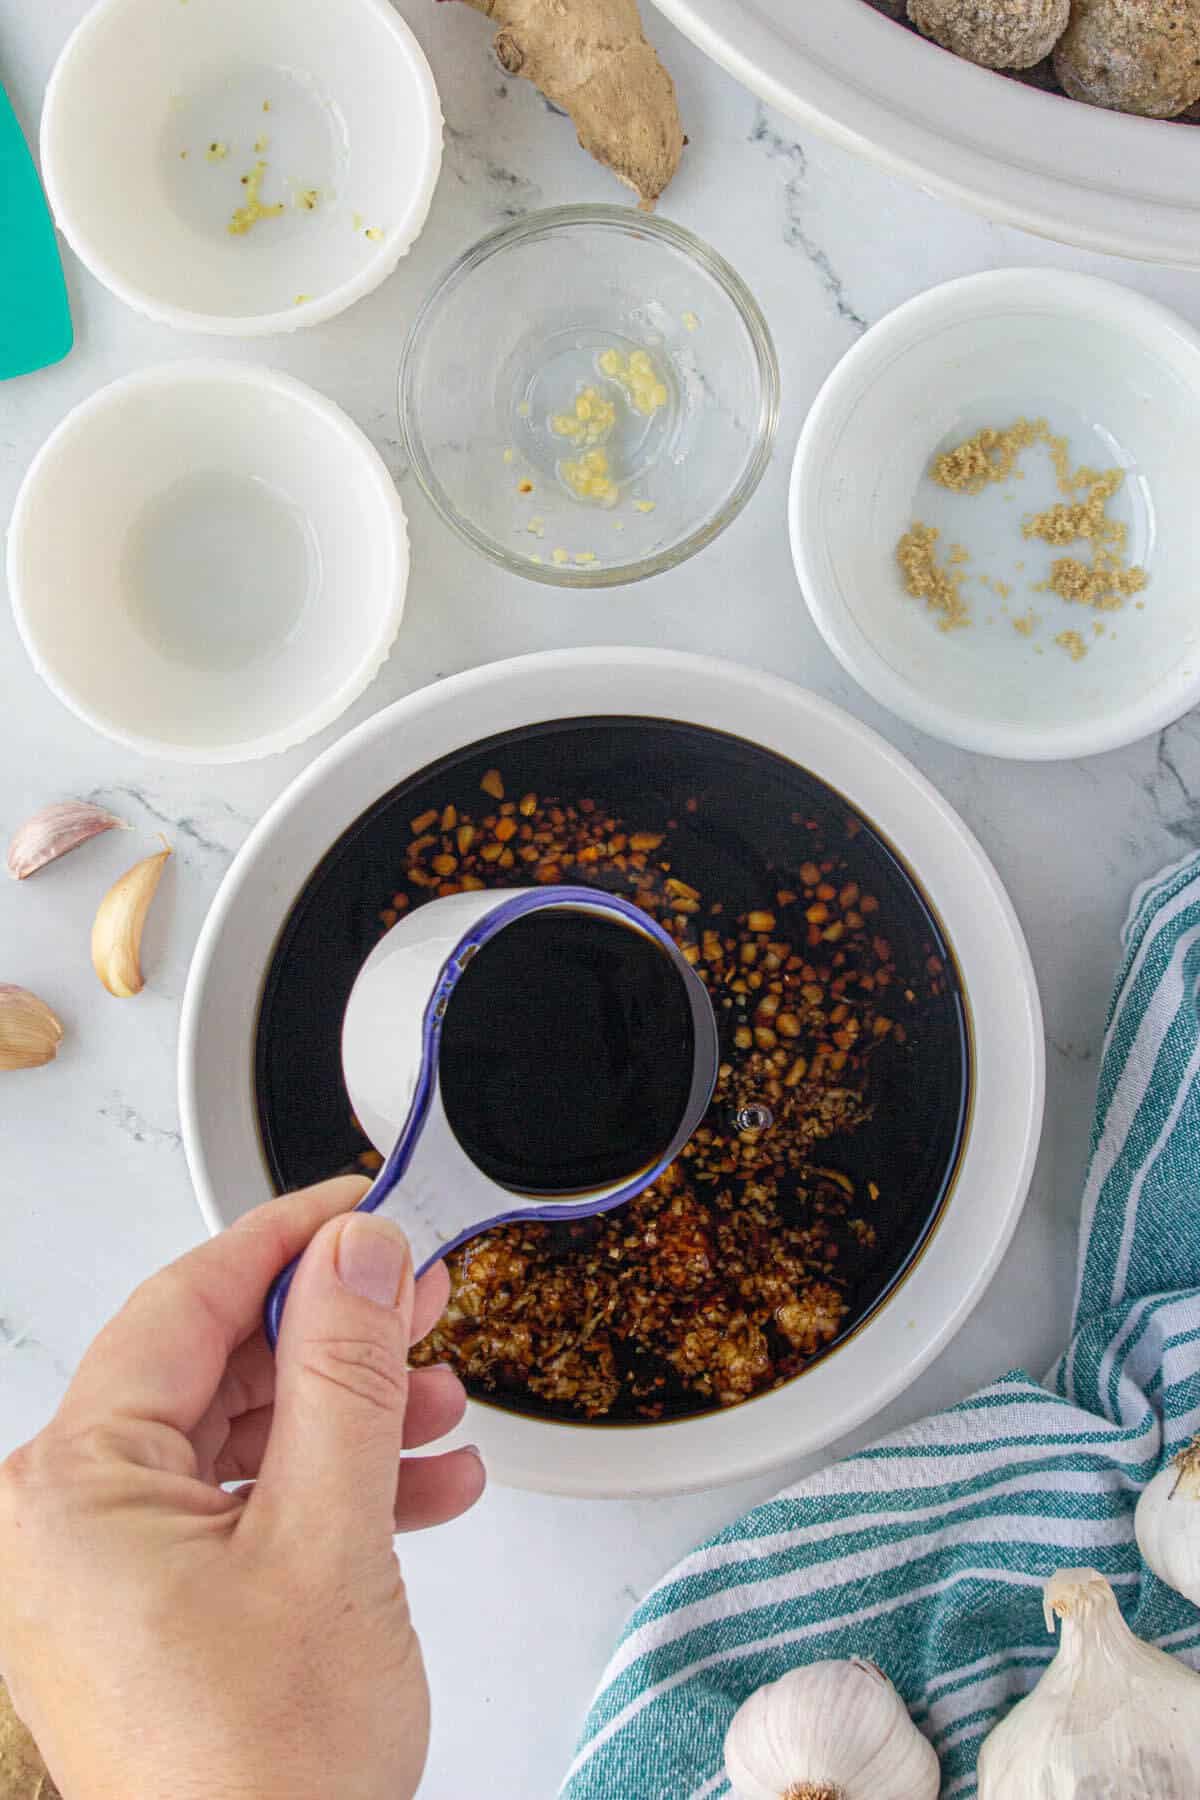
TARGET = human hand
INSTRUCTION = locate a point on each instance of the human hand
(162, 1636)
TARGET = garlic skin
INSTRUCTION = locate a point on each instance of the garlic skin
(1167, 1523)
(54, 831)
(831, 1731)
(1110, 1716)
(29, 1032)
(117, 930)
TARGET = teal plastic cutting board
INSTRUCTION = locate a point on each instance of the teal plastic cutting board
(35, 318)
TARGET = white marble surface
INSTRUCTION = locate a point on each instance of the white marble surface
(519, 1603)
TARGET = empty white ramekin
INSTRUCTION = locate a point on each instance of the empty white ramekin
(207, 561)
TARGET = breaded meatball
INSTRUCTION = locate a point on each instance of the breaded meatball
(999, 34)
(1135, 56)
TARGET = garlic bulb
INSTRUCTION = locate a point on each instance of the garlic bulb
(55, 830)
(117, 929)
(29, 1032)
(1167, 1523)
(831, 1731)
(1111, 1715)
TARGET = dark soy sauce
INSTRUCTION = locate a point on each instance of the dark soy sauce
(744, 818)
(567, 1050)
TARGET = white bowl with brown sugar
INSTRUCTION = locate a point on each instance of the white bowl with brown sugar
(993, 514)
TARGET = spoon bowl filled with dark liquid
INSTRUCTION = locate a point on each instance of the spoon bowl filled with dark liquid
(568, 1053)
(537, 1054)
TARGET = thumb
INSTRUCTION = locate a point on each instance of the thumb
(341, 1381)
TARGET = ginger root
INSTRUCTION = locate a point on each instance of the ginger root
(23, 1774)
(592, 59)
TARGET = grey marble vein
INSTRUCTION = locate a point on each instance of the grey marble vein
(15, 1337)
(1168, 789)
(795, 232)
(131, 1122)
(1070, 1051)
(12, 1337)
(186, 826)
(510, 196)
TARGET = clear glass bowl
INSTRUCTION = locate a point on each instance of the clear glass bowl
(527, 344)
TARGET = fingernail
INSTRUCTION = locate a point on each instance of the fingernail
(372, 1258)
(476, 1452)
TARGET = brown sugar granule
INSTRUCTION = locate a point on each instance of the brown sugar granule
(990, 455)
(1060, 456)
(1104, 584)
(1087, 518)
(927, 579)
(1073, 644)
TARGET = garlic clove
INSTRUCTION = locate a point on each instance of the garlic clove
(1167, 1523)
(1111, 1714)
(29, 1032)
(830, 1731)
(53, 831)
(117, 931)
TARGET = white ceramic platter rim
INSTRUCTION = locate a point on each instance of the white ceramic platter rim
(1145, 323)
(1102, 180)
(221, 1004)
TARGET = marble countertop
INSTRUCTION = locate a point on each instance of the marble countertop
(520, 1603)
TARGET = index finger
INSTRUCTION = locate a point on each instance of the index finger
(163, 1355)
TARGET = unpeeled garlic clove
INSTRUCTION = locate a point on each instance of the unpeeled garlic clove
(29, 1032)
(117, 930)
(53, 831)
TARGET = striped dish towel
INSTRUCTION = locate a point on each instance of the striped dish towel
(927, 1553)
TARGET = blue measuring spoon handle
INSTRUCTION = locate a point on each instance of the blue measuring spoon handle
(392, 1172)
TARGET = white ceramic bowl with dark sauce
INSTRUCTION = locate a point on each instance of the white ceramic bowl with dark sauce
(999, 1136)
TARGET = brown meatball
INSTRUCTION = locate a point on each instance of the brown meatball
(1135, 56)
(999, 34)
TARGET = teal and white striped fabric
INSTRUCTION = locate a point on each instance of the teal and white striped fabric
(927, 1552)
